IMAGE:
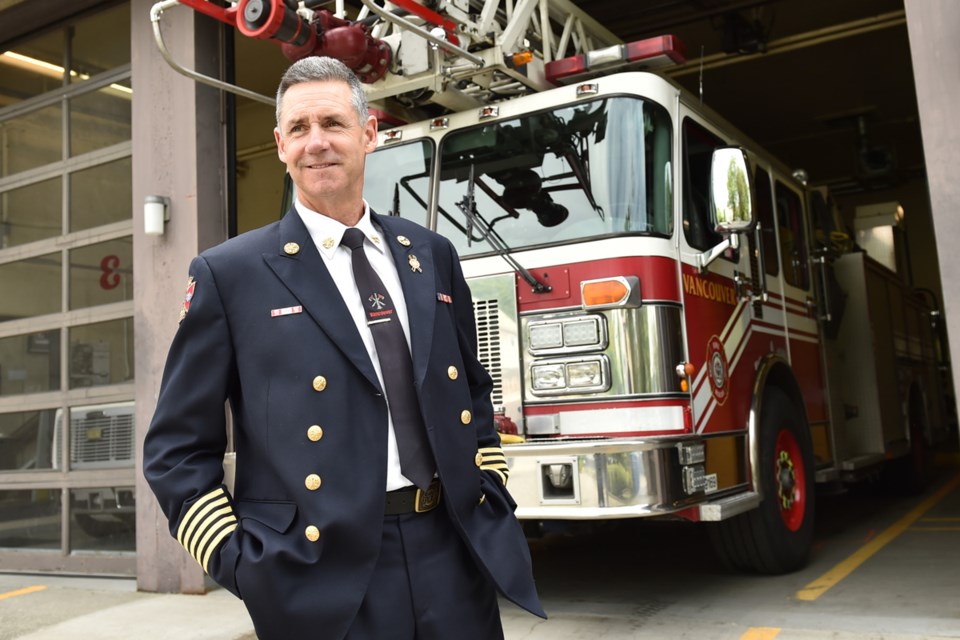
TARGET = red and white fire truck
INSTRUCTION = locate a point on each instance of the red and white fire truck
(675, 324)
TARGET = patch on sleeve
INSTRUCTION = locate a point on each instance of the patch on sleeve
(191, 287)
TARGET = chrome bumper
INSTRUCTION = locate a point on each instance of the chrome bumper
(605, 479)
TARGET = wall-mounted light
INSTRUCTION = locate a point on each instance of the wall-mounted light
(156, 212)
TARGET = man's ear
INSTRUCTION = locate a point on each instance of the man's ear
(280, 151)
(370, 134)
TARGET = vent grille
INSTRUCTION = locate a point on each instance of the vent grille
(488, 344)
(101, 440)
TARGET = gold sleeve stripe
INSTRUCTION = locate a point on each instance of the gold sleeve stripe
(493, 459)
(491, 450)
(205, 531)
(503, 478)
(503, 473)
(201, 502)
(492, 453)
(215, 543)
(198, 519)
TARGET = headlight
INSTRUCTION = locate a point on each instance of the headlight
(547, 376)
(567, 333)
(571, 376)
(546, 336)
(581, 332)
(584, 374)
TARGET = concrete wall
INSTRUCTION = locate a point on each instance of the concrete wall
(178, 152)
(934, 27)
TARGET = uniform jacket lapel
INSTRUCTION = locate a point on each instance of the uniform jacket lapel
(416, 269)
(306, 276)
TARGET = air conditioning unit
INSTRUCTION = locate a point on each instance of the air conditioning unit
(101, 436)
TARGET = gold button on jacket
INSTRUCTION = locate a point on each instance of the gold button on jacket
(452, 372)
(466, 417)
(319, 383)
(314, 433)
(312, 533)
(291, 248)
(479, 459)
(312, 482)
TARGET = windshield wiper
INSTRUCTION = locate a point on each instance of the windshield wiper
(468, 206)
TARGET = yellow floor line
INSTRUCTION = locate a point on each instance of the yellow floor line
(825, 582)
(21, 592)
(761, 633)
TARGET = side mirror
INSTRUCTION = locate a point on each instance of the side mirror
(731, 204)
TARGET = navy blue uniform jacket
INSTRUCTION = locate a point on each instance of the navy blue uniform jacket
(301, 557)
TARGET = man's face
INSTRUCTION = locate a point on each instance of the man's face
(324, 145)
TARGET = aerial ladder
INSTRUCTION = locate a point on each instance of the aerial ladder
(417, 58)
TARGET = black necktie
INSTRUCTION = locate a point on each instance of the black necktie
(416, 461)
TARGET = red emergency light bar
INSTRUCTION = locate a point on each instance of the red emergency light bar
(651, 53)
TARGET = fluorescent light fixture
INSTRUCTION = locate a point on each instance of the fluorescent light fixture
(39, 66)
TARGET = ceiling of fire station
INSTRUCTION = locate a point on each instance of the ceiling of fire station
(825, 85)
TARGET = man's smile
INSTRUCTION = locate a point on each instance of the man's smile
(320, 165)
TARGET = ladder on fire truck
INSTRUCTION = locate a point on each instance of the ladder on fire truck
(457, 54)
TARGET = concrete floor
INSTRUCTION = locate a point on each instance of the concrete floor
(634, 579)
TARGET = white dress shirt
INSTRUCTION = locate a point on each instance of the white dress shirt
(327, 232)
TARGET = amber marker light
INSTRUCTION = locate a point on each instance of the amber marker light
(684, 371)
(603, 292)
(520, 59)
(621, 291)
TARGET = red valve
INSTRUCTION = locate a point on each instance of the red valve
(347, 41)
(325, 35)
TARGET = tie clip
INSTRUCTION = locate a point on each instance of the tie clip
(378, 321)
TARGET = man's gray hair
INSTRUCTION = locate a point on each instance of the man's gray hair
(322, 69)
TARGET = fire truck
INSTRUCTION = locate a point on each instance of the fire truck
(676, 324)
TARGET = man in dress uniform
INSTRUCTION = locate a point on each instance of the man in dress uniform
(370, 499)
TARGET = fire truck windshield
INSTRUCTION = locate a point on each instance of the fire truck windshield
(557, 176)
(580, 171)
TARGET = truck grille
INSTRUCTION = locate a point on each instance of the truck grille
(488, 344)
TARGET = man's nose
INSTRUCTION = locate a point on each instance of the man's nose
(317, 138)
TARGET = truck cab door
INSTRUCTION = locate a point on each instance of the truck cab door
(718, 309)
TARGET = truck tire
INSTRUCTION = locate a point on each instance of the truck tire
(776, 537)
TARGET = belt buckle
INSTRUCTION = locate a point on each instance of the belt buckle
(429, 499)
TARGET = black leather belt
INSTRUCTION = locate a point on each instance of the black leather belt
(413, 500)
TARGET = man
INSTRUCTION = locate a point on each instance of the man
(326, 535)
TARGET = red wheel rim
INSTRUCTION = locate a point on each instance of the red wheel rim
(791, 480)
